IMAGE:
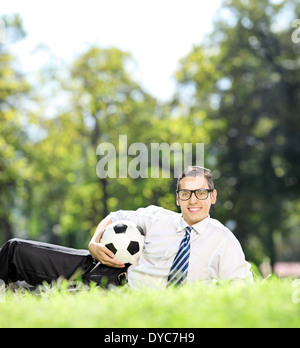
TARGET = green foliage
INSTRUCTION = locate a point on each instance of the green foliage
(15, 168)
(268, 304)
(244, 76)
(237, 92)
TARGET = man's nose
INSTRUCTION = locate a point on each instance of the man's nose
(193, 198)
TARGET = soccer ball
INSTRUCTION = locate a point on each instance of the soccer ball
(126, 240)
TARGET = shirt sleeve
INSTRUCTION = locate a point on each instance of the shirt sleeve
(142, 217)
(231, 262)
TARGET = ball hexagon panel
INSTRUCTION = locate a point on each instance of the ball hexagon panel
(121, 241)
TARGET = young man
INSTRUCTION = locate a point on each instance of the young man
(179, 248)
(213, 251)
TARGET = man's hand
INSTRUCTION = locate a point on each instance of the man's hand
(104, 255)
(99, 250)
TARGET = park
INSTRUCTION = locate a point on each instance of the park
(86, 131)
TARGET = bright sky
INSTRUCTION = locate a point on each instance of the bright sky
(157, 32)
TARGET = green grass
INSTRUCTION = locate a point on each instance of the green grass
(266, 303)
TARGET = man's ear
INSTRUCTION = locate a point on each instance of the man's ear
(177, 201)
(214, 196)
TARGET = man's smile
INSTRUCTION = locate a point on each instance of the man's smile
(195, 210)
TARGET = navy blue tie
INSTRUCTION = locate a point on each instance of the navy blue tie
(179, 269)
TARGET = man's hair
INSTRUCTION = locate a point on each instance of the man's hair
(193, 171)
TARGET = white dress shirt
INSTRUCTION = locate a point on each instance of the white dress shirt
(215, 254)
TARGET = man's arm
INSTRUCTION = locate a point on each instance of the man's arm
(99, 250)
(231, 262)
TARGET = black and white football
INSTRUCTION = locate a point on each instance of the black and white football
(126, 240)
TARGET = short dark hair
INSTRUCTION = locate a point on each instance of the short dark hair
(193, 171)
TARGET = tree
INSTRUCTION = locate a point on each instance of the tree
(14, 170)
(246, 78)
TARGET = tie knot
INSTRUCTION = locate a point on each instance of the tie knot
(188, 230)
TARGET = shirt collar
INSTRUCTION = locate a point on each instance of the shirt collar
(199, 227)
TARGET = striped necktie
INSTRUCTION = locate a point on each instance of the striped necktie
(179, 269)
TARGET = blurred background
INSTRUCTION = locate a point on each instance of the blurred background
(77, 74)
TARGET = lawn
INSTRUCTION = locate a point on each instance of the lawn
(266, 303)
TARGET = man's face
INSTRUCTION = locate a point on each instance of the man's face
(195, 210)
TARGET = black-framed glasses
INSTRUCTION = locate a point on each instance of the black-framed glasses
(201, 194)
